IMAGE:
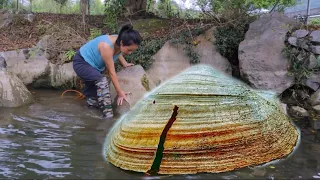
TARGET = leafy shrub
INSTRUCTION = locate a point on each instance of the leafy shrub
(298, 59)
(69, 54)
(314, 21)
(229, 36)
(113, 9)
(228, 39)
(94, 32)
(185, 38)
(143, 54)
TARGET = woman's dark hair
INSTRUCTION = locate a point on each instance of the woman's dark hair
(128, 36)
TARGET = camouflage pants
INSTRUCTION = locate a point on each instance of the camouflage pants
(96, 90)
(104, 97)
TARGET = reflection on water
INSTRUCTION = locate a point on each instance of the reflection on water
(62, 138)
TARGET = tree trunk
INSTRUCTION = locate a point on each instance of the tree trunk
(135, 6)
(84, 4)
(88, 10)
(31, 6)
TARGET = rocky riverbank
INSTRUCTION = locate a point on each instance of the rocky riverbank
(263, 63)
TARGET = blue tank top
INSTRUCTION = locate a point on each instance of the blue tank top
(91, 54)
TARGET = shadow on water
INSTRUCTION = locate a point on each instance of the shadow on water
(63, 138)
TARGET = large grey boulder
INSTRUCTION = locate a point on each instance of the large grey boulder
(3, 63)
(33, 68)
(209, 55)
(300, 33)
(171, 59)
(313, 81)
(315, 98)
(315, 36)
(5, 18)
(25, 66)
(261, 62)
(57, 76)
(134, 80)
(13, 93)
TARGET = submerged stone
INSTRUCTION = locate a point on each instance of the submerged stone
(201, 121)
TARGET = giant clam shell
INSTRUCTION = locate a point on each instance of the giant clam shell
(201, 121)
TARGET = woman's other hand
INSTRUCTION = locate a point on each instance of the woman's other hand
(122, 96)
(128, 65)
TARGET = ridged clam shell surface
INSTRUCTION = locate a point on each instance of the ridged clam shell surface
(201, 121)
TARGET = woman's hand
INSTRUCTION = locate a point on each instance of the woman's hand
(122, 96)
(128, 65)
(124, 63)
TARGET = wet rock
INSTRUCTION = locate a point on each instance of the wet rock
(13, 93)
(122, 109)
(261, 60)
(300, 33)
(303, 43)
(315, 123)
(313, 81)
(317, 108)
(317, 139)
(315, 36)
(315, 98)
(62, 75)
(315, 49)
(57, 76)
(312, 61)
(259, 172)
(299, 112)
(134, 80)
(284, 108)
(292, 41)
(3, 64)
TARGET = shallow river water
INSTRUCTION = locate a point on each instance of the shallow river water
(58, 137)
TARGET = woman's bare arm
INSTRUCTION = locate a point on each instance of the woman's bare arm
(122, 60)
(107, 55)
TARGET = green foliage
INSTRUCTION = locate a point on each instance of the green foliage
(69, 54)
(143, 54)
(228, 39)
(298, 66)
(145, 82)
(314, 21)
(61, 2)
(218, 6)
(167, 8)
(6, 4)
(96, 7)
(55, 6)
(113, 9)
(193, 55)
(94, 32)
(186, 39)
(229, 36)
(52, 6)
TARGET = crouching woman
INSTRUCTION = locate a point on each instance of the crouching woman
(97, 57)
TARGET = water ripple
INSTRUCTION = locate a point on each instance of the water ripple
(46, 148)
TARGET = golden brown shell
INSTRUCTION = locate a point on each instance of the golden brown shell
(201, 121)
